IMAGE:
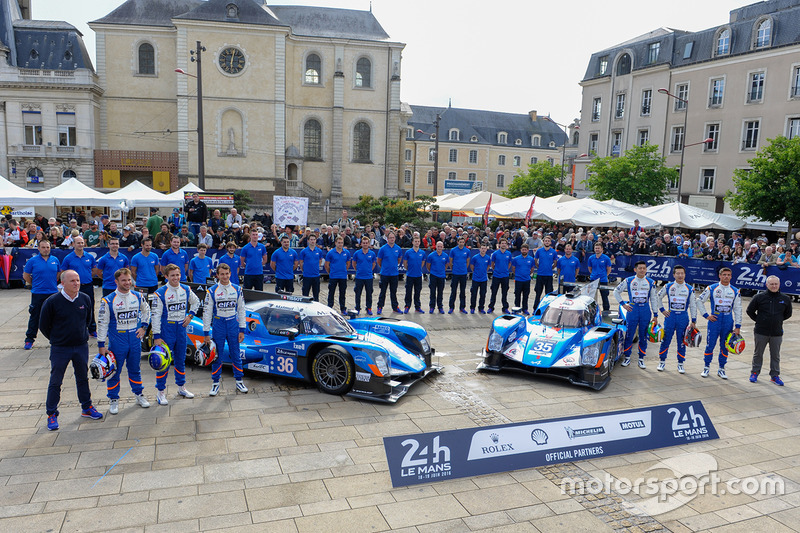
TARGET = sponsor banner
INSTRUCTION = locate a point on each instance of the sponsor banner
(439, 456)
(290, 210)
(212, 200)
(459, 187)
(18, 212)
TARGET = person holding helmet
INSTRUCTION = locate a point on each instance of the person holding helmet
(681, 305)
(224, 317)
(768, 310)
(173, 308)
(642, 302)
(725, 317)
(121, 322)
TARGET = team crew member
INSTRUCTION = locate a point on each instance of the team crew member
(196, 213)
(568, 267)
(681, 304)
(83, 264)
(200, 266)
(233, 262)
(108, 265)
(145, 267)
(224, 320)
(641, 304)
(72, 310)
(174, 306)
(501, 261)
(41, 271)
(336, 266)
(546, 258)
(122, 322)
(176, 256)
(599, 268)
(459, 266)
(389, 257)
(769, 310)
(412, 262)
(253, 256)
(364, 262)
(479, 264)
(311, 258)
(726, 316)
(283, 262)
(521, 267)
(437, 266)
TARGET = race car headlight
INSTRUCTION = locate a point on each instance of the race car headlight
(426, 344)
(382, 362)
(495, 342)
(590, 354)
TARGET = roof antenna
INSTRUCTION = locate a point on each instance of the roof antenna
(370, 6)
(449, 103)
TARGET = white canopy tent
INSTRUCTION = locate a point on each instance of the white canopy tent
(442, 197)
(468, 202)
(518, 207)
(73, 192)
(561, 198)
(17, 197)
(138, 194)
(180, 193)
(589, 212)
(676, 214)
(618, 203)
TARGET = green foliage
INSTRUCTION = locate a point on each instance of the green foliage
(241, 201)
(394, 210)
(769, 189)
(541, 179)
(639, 177)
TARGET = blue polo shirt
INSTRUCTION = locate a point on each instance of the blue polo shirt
(568, 266)
(546, 259)
(437, 264)
(390, 259)
(109, 266)
(599, 266)
(146, 269)
(480, 267)
(44, 274)
(365, 263)
(233, 262)
(414, 262)
(201, 269)
(500, 263)
(253, 256)
(179, 259)
(83, 265)
(311, 259)
(522, 267)
(460, 258)
(284, 263)
(338, 263)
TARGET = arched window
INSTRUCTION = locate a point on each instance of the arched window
(312, 140)
(313, 71)
(624, 65)
(502, 138)
(364, 73)
(67, 174)
(361, 143)
(763, 33)
(723, 42)
(147, 59)
(35, 177)
(455, 135)
(536, 140)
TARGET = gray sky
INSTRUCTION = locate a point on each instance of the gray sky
(506, 55)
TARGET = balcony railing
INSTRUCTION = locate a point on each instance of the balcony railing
(31, 148)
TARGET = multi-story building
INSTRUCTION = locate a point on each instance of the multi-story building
(483, 150)
(296, 100)
(50, 100)
(737, 83)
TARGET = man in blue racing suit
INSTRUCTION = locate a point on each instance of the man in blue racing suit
(681, 305)
(224, 311)
(173, 309)
(726, 316)
(122, 321)
(642, 303)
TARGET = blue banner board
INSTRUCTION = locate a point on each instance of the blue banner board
(445, 455)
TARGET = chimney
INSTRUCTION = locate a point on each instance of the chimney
(533, 115)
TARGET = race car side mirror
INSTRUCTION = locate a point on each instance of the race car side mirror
(291, 333)
(618, 321)
(351, 314)
(516, 310)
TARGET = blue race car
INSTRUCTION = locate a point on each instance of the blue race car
(293, 336)
(564, 338)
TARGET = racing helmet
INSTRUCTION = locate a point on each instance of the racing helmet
(655, 333)
(206, 354)
(734, 343)
(160, 358)
(692, 337)
(103, 366)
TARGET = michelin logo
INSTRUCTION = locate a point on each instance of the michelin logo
(584, 432)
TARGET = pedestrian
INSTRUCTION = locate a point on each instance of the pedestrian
(437, 268)
(479, 264)
(459, 267)
(681, 306)
(71, 311)
(389, 257)
(769, 310)
(642, 302)
(145, 268)
(224, 320)
(311, 257)
(283, 263)
(521, 267)
(253, 257)
(41, 271)
(83, 264)
(200, 266)
(725, 316)
(155, 222)
(599, 266)
(501, 261)
(176, 256)
(546, 258)
(121, 323)
(413, 259)
(196, 213)
(336, 266)
(108, 265)
(231, 258)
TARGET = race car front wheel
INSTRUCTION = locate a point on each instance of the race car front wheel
(333, 371)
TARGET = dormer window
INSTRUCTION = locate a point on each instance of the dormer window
(536, 140)
(232, 11)
(552, 144)
(763, 34)
(454, 135)
(473, 139)
(502, 138)
(518, 142)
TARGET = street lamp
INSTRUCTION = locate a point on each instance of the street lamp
(683, 147)
(563, 151)
(201, 164)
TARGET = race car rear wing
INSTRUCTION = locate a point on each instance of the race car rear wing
(249, 295)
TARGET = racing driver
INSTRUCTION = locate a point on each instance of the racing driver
(681, 305)
(726, 316)
(642, 293)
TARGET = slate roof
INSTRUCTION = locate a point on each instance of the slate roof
(249, 12)
(331, 22)
(149, 12)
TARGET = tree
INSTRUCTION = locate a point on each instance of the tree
(242, 200)
(768, 190)
(394, 210)
(541, 179)
(639, 177)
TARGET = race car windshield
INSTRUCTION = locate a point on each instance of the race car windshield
(327, 325)
(562, 318)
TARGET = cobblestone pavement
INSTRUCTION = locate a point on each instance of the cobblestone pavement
(286, 457)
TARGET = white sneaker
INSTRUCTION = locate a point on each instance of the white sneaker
(680, 369)
(141, 400)
(240, 386)
(626, 361)
(721, 373)
(705, 372)
(185, 393)
(641, 363)
(214, 389)
(161, 397)
(661, 366)
(113, 406)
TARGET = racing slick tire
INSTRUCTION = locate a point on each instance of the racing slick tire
(613, 353)
(333, 371)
